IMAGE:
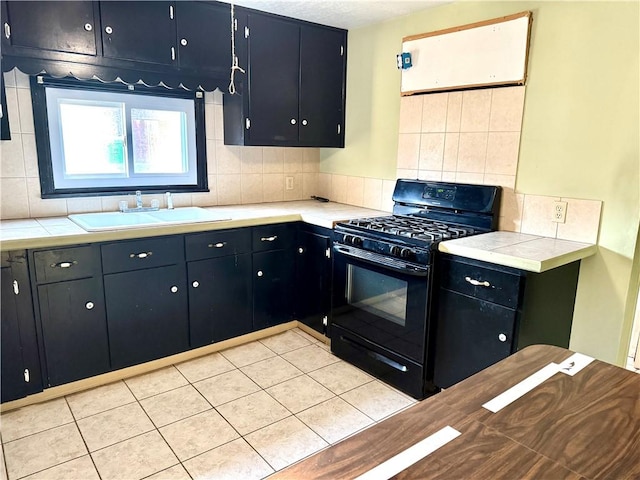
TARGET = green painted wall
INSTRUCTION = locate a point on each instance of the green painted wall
(580, 133)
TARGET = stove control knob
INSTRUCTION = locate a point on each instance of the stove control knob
(347, 239)
(357, 241)
(395, 250)
(406, 252)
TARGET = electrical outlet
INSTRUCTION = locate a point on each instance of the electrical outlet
(288, 183)
(559, 212)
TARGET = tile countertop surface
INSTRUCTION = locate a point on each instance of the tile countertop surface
(59, 231)
(526, 252)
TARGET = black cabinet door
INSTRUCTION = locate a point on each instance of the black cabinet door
(20, 360)
(139, 30)
(74, 330)
(51, 25)
(273, 287)
(219, 299)
(5, 132)
(313, 279)
(146, 314)
(471, 334)
(274, 51)
(322, 69)
(204, 35)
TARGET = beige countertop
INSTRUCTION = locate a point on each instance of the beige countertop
(59, 231)
(526, 252)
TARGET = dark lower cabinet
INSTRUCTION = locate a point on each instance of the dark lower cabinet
(219, 299)
(147, 314)
(20, 373)
(273, 287)
(74, 330)
(313, 276)
(486, 312)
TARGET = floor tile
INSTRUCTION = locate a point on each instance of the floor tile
(81, 468)
(3, 468)
(177, 472)
(247, 354)
(205, 367)
(285, 442)
(299, 393)
(310, 358)
(340, 377)
(34, 418)
(253, 412)
(174, 405)
(160, 381)
(113, 426)
(285, 342)
(43, 450)
(226, 387)
(135, 458)
(271, 371)
(376, 400)
(195, 435)
(96, 400)
(334, 419)
(305, 335)
(232, 461)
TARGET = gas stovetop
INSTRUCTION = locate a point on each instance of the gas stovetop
(412, 227)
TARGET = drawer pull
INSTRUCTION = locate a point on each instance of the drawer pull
(502, 337)
(217, 245)
(64, 264)
(140, 255)
(174, 289)
(477, 283)
(269, 239)
(89, 305)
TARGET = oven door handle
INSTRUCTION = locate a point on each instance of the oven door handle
(375, 355)
(381, 261)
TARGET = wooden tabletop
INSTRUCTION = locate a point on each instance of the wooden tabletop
(585, 426)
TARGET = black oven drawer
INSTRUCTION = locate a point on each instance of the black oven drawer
(479, 280)
(400, 372)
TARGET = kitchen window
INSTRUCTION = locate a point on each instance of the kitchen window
(101, 139)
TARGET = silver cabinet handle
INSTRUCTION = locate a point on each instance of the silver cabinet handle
(7, 30)
(108, 29)
(173, 53)
(304, 122)
(64, 264)
(140, 255)
(268, 239)
(88, 27)
(293, 121)
(217, 245)
(477, 283)
(195, 284)
(260, 273)
(174, 289)
(183, 42)
(502, 337)
(89, 305)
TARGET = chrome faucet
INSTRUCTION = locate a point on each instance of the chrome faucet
(138, 199)
(139, 207)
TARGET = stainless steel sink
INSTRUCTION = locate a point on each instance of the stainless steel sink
(96, 222)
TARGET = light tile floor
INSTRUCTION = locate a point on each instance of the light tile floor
(245, 412)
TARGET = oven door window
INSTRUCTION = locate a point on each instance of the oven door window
(376, 293)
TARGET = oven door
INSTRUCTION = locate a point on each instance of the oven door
(382, 299)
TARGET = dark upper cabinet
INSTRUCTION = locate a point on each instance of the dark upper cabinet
(20, 375)
(295, 90)
(204, 35)
(139, 31)
(60, 26)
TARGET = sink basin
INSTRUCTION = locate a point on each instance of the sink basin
(97, 222)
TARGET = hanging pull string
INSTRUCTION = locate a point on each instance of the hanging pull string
(234, 57)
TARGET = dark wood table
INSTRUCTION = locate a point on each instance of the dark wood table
(585, 426)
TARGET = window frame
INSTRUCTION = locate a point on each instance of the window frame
(43, 146)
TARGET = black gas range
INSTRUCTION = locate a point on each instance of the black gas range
(383, 277)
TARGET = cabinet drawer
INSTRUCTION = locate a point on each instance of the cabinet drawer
(66, 264)
(217, 244)
(273, 237)
(480, 282)
(139, 254)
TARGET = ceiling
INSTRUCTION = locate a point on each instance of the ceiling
(346, 14)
